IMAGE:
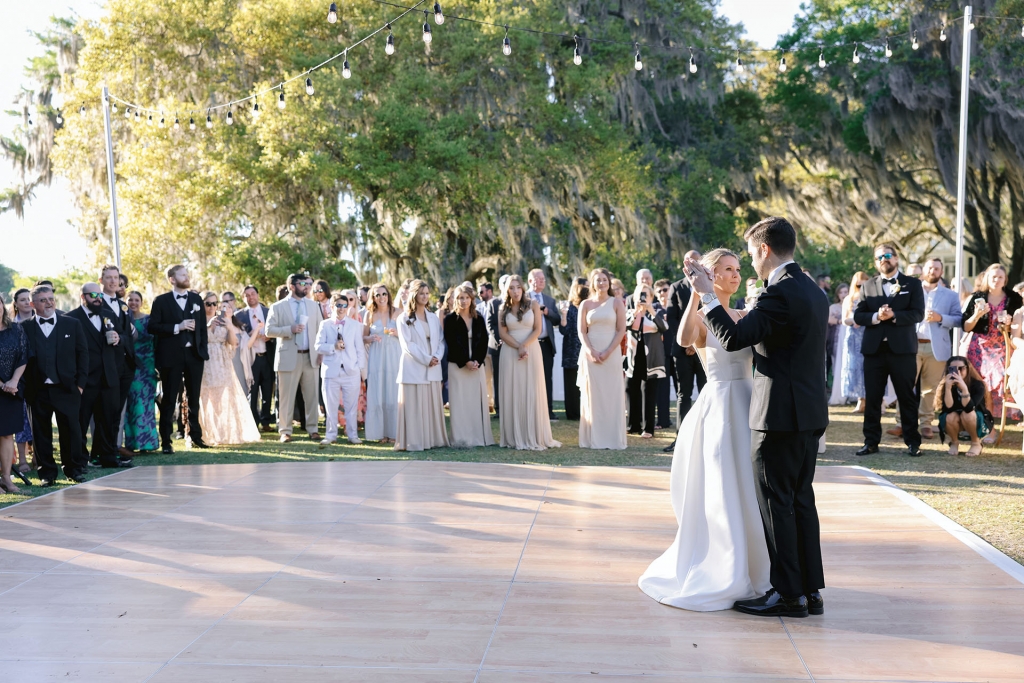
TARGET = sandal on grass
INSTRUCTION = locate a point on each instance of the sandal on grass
(974, 450)
(954, 449)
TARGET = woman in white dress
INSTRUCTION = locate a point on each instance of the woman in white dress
(384, 354)
(719, 554)
(224, 412)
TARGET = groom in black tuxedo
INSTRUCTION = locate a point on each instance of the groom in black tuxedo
(788, 413)
(891, 305)
(178, 321)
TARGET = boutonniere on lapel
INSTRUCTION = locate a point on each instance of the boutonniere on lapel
(124, 308)
(195, 308)
(894, 290)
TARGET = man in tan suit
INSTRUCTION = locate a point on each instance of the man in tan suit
(295, 320)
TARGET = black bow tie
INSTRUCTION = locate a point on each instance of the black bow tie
(181, 296)
(94, 315)
(889, 282)
(46, 321)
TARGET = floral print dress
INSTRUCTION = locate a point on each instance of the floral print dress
(987, 353)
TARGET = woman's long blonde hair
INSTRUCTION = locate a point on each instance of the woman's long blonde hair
(471, 293)
(506, 305)
(856, 282)
(410, 305)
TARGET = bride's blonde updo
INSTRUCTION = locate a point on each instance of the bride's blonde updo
(712, 258)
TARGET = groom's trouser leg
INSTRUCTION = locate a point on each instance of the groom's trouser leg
(784, 467)
(875, 379)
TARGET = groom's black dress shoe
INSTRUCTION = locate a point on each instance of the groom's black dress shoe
(669, 448)
(815, 604)
(914, 451)
(867, 450)
(772, 604)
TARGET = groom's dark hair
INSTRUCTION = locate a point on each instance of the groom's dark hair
(776, 232)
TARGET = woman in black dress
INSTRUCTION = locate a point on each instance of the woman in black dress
(13, 358)
(963, 403)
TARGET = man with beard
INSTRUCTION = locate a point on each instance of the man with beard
(890, 308)
(101, 402)
(114, 284)
(178, 322)
(934, 343)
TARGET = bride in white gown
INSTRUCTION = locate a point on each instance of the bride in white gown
(719, 554)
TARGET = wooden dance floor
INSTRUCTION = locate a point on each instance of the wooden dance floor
(454, 572)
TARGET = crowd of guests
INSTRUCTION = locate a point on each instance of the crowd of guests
(218, 371)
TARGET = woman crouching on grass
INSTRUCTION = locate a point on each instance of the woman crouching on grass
(963, 404)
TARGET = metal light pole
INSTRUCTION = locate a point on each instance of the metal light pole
(110, 177)
(961, 183)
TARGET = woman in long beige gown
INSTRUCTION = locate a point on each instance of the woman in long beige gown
(420, 407)
(465, 335)
(524, 404)
(602, 324)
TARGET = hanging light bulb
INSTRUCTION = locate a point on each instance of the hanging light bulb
(346, 72)
(577, 58)
(280, 99)
(888, 50)
(638, 63)
(856, 53)
(426, 29)
(693, 63)
(255, 110)
(113, 107)
(971, 26)
(209, 120)
(128, 112)
(60, 119)
(231, 118)
(1022, 31)
(150, 120)
(309, 86)
(389, 46)
(942, 33)
(506, 45)
(137, 116)
(161, 121)
(177, 124)
(438, 14)
(30, 122)
(821, 59)
(332, 14)
(739, 65)
(914, 44)
(782, 65)
(82, 110)
(191, 123)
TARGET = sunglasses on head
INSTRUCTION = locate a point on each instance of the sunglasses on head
(884, 257)
(94, 295)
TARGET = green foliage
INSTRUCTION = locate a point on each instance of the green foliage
(839, 263)
(267, 262)
(7, 279)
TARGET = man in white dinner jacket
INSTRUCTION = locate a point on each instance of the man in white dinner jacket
(340, 343)
(295, 320)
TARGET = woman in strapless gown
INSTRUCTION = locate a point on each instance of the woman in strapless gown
(719, 554)
(524, 403)
(602, 324)
(224, 412)
(384, 353)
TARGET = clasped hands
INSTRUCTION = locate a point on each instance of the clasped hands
(701, 279)
(885, 313)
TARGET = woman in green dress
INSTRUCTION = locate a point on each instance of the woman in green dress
(140, 417)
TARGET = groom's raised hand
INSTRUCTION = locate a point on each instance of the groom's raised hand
(700, 278)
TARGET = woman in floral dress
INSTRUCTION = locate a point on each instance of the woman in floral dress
(140, 433)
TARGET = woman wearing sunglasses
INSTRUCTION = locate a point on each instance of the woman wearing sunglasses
(384, 353)
(322, 295)
(964, 405)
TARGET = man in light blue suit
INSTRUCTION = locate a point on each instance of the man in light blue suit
(934, 339)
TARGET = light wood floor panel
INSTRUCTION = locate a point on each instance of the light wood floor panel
(439, 572)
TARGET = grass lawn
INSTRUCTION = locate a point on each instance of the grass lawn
(984, 494)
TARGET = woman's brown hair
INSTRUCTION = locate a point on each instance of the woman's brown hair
(525, 302)
(972, 376)
(371, 305)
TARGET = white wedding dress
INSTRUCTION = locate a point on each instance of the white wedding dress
(719, 554)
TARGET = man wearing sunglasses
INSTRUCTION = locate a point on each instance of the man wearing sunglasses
(890, 309)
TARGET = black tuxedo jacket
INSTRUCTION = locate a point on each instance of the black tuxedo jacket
(243, 317)
(72, 355)
(678, 300)
(901, 330)
(170, 348)
(103, 368)
(456, 336)
(123, 326)
(493, 338)
(786, 328)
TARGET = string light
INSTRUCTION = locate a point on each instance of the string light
(137, 116)
(231, 118)
(506, 45)
(426, 29)
(332, 14)
(389, 46)
(782, 65)
(971, 26)
(255, 110)
(346, 72)
(856, 53)
(739, 65)
(309, 86)
(1022, 31)
(60, 119)
(161, 121)
(128, 112)
(177, 124)
(280, 99)
(150, 121)
(82, 110)
(914, 44)
(577, 58)
(191, 123)
(821, 58)
(209, 120)
(438, 14)
(888, 50)
(638, 63)
(113, 107)
(693, 64)
(942, 32)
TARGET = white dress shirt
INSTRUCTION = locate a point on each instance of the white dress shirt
(887, 289)
(94, 318)
(47, 329)
(299, 309)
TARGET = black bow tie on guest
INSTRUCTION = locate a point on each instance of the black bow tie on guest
(46, 321)
(94, 315)
(181, 296)
(889, 282)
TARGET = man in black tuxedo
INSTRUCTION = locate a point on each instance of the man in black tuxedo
(254, 320)
(788, 411)
(493, 338)
(686, 365)
(101, 403)
(111, 280)
(178, 321)
(552, 317)
(891, 305)
(54, 381)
